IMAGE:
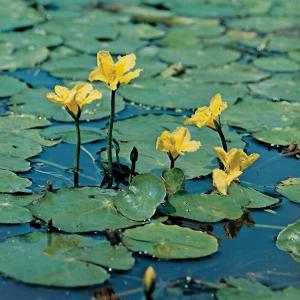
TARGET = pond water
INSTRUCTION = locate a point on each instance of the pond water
(248, 52)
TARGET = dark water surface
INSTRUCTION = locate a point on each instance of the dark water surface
(253, 253)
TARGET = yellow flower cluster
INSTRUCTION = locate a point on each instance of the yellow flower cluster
(235, 162)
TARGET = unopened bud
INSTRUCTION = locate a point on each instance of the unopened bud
(149, 281)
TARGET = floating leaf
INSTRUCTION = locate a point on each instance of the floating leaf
(140, 200)
(290, 188)
(167, 242)
(10, 86)
(81, 210)
(13, 163)
(174, 180)
(175, 93)
(11, 183)
(276, 64)
(288, 240)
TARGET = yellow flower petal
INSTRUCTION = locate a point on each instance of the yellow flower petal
(105, 63)
(222, 155)
(130, 75)
(97, 75)
(217, 105)
(249, 160)
(222, 180)
(73, 108)
(61, 91)
(125, 64)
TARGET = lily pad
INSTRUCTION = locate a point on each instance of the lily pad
(276, 64)
(13, 163)
(290, 188)
(278, 88)
(232, 73)
(81, 210)
(12, 183)
(278, 136)
(192, 57)
(67, 134)
(288, 240)
(13, 210)
(15, 122)
(174, 180)
(244, 289)
(175, 93)
(140, 200)
(34, 101)
(142, 133)
(251, 114)
(48, 259)
(167, 242)
(10, 86)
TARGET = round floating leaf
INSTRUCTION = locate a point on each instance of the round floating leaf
(170, 241)
(51, 259)
(202, 207)
(174, 180)
(30, 38)
(142, 132)
(26, 57)
(276, 64)
(15, 122)
(278, 136)
(10, 86)
(290, 189)
(191, 57)
(140, 200)
(67, 134)
(289, 240)
(175, 93)
(244, 289)
(34, 101)
(264, 24)
(13, 163)
(251, 114)
(13, 210)
(11, 183)
(232, 73)
(295, 55)
(81, 210)
(278, 88)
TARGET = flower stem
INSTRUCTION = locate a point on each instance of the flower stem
(222, 137)
(110, 130)
(77, 153)
(172, 161)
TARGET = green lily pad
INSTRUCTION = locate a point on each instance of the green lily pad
(81, 210)
(232, 73)
(13, 210)
(175, 93)
(174, 180)
(15, 122)
(30, 38)
(142, 132)
(290, 188)
(214, 207)
(288, 240)
(278, 88)
(12, 183)
(34, 101)
(244, 289)
(10, 86)
(67, 134)
(198, 57)
(278, 136)
(26, 57)
(49, 259)
(276, 64)
(13, 163)
(167, 242)
(263, 24)
(143, 196)
(251, 114)
(295, 55)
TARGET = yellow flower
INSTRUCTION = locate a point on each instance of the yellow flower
(235, 159)
(149, 280)
(222, 180)
(207, 116)
(112, 73)
(74, 99)
(176, 142)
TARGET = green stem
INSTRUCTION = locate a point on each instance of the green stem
(222, 137)
(77, 153)
(110, 130)
(172, 161)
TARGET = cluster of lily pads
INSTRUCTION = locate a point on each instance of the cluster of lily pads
(188, 60)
